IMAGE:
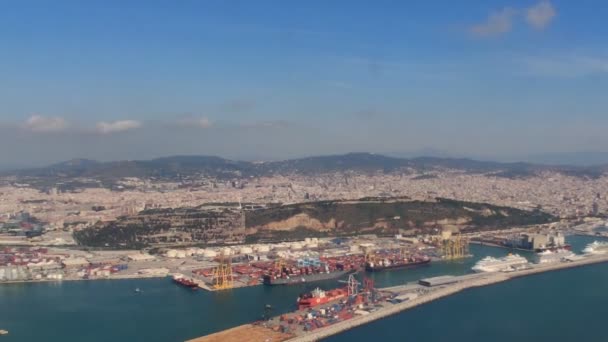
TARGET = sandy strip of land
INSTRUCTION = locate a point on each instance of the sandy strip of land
(247, 332)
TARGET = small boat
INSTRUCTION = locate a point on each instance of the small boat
(137, 290)
(3, 332)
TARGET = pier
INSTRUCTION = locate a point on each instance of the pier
(432, 293)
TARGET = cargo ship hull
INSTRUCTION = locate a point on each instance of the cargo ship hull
(186, 283)
(320, 297)
(378, 268)
(306, 278)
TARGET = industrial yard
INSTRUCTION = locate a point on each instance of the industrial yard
(220, 268)
(371, 304)
(313, 259)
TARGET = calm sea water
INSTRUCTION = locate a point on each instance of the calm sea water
(567, 305)
(111, 311)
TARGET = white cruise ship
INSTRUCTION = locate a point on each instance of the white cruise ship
(596, 247)
(509, 263)
(553, 256)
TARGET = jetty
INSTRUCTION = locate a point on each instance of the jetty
(439, 287)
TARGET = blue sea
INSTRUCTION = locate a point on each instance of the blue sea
(557, 306)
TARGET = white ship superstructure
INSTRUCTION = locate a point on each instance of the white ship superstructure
(509, 263)
(553, 256)
(596, 247)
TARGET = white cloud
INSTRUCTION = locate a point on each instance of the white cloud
(38, 123)
(540, 15)
(497, 23)
(117, 126)
(196, 122)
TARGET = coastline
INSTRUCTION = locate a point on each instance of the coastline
(466, 282)
(121, 277)
(489, 279)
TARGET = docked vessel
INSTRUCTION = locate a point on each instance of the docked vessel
(509, 263)
(183, 281)
(537, 242)
(391, 263)
(287, 277)
(319, 297)
(549, 256)
(596, 247)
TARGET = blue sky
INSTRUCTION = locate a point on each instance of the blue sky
(277, 79)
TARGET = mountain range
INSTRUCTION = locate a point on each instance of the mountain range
(183, 167)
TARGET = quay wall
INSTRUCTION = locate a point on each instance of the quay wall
(490, 278)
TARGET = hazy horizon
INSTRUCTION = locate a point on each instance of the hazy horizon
(573, 159)
(493, 80)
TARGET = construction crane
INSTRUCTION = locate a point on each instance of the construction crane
(370, 256)
(222, 274)
(352, 285)
(280, 264)
(454, 247)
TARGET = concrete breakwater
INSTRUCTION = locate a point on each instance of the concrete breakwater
(431, 294)
(482, 280)
(361, 320)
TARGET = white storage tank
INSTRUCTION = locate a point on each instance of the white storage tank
(172, 253)
(263, 249)
(209, 253)
(180, 254)
(227, 251)
(283, 254)
(246, 250)
(295, 246)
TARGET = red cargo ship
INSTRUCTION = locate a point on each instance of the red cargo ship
(181, 280)
(318, 297)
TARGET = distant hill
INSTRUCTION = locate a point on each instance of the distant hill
(184, 167)
(381, 216)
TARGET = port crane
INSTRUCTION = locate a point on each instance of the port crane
(222, 274)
